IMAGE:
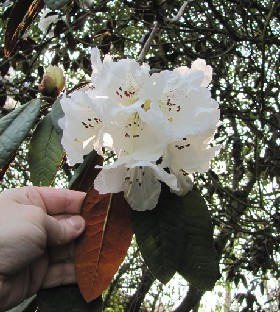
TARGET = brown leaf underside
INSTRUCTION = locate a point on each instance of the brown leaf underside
(104, 245)
(85, 181)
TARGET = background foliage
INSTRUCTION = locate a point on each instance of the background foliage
(240, 40)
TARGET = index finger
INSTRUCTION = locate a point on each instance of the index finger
(58, 201)
(53, 201)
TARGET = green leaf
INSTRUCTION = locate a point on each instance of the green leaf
(14, 128)
(159, 235)
(5, 168)
(45, 154)
(86, 173)
(56, 4)
(66, 299)
(26, 305)
(198, 265)
(56, 114)
(23, 14)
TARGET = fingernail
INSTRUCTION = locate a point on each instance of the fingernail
(76, 221)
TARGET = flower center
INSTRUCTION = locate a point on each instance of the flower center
(134, 126)
(147, 105)
(169, 108)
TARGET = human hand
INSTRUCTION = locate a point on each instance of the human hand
(38, 226)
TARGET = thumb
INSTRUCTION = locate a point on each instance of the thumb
(63, 231)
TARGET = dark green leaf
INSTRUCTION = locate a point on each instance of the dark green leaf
(59, 29)
(159, 235)
(14, 128)
(56, 114)
(198, 265)
(66, 299)
(72, 44)
(27, 305)
(46, 153)
(4, 169)
(56, 4)
(22, 16)
(86, 173)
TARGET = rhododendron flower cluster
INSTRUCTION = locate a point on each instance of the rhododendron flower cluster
(158, 126)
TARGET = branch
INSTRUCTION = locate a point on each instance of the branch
(180, 12)
(148, 43)
(223, 21)
(191, 300)
(137, 299)
(156, 28)
(114, 284)
(262, 106)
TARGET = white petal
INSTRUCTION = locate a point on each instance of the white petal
(107, 59)
(138, 139)
(82, 129)
(47, 17)
(143, 188)
(200, 64)
(96, 63)
(139, 181)
(187, 107)
(191, 155)
(134, 131)
(185, 183)
(110, 180)
(139, 184)
(142, 191)
(120, 80)
(162, 175)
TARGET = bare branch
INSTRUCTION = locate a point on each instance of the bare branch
(191, 300)
(138, 298)
(273, 6)
(148, 43)
(180, 12)
(156, 28)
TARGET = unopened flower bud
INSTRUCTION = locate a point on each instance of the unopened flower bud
(53, 82)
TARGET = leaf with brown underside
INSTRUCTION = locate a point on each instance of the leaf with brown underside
(22, 16)
(86, 173)
(104, 245)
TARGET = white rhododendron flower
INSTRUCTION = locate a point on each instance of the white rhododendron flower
(47, 21)
(47, 18)
(128, 115)
(186, 156)
(139, 181)
(198, 65)
(159, 126)
(11, 103)
(186, 105)
(82, 128)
